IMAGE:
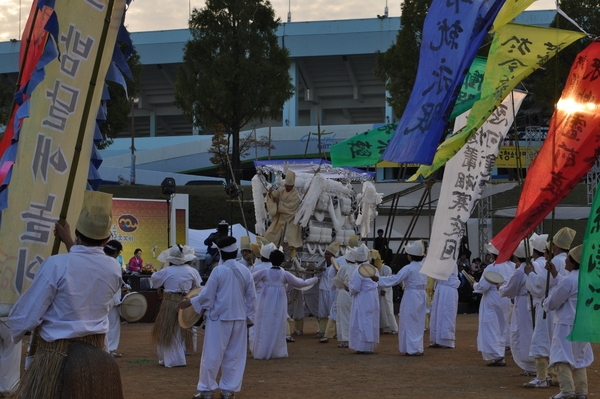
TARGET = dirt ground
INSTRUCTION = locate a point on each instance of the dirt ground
(325, 371)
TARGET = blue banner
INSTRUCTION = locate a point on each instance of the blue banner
(452, 34)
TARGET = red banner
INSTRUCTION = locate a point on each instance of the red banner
(30, 51)
(571, 148)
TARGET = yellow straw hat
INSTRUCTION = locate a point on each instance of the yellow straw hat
(375, 256)
(245, 243)
(255, 248)
(564, 238)
(575, 253)
(334, 248)
(95, 219)
(353, 241)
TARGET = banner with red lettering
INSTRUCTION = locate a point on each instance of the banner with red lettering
(571, 148)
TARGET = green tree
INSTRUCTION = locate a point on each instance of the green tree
(118, 108)
(547, 84)
(233, 69)
(221, 153)
(397, 67)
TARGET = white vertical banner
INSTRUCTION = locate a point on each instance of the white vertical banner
(465, 179)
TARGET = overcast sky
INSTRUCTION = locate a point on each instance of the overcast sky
(149, 15)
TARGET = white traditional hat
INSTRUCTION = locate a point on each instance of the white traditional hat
(564, 238)
(361, 254)
(95, 219)
(173, 256)
(290, 178)
(520, 251)
(333, 248)
(538, 242)
(265, 250)
(491, 249)
(350, 255)
(189, 253)
(415, 248)
(575, 253)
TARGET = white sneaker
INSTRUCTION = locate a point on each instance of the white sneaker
(536, 383)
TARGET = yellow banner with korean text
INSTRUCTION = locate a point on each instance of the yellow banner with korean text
(63, 104)
(516, 52)
(507, 156)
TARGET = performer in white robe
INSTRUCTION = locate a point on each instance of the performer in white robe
(536, 285)
(311, 300)
(229, 299)
(10, 360)
(442, 326)
(493, 314)
(326, 293)
(354, 257)
(176, 280)
(271, 315)
(570, 359)
(263, 263)
(364, 316)
(68, 302)
(387, 319)
(113, 249)
(521, 324)
(412, 307)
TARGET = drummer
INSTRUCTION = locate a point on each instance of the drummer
(493, 311)
(176, 281)
(113, 249)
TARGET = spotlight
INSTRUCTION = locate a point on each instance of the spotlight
(168, 186)
(232, 190)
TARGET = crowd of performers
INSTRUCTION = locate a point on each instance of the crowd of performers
(254, 305)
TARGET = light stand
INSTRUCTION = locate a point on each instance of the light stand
(169, 188)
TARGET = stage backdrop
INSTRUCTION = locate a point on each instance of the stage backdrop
(141, 223)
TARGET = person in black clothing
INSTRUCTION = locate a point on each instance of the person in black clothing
(381, 244)
(212, 254)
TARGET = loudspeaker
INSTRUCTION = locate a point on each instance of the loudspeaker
(168, 186)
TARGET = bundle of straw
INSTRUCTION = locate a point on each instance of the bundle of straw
(69, 369)
(166, 326)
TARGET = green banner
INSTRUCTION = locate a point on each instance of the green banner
(586, 327)
(364, 149)
(471, 87)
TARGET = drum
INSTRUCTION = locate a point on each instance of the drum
(367, 270)
(493, 277)
(188, 317)
(133, 307)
